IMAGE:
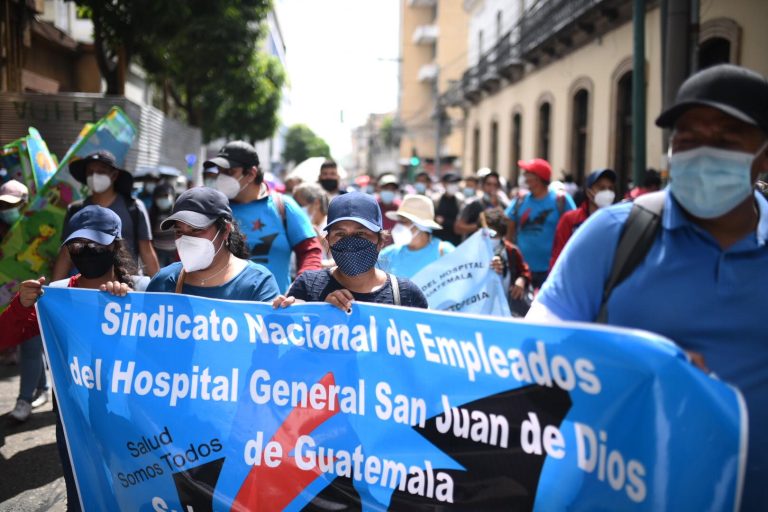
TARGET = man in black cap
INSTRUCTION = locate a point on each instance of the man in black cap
(273, 224)
(110, 187)
(447, 208)
(702, 282)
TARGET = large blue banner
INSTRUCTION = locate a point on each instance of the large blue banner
(173, 402)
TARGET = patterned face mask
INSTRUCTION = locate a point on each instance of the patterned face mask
(354, 255)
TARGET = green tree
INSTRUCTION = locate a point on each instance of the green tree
(301, 143)
(203, 55)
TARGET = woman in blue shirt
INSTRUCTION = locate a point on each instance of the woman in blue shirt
(213, 256)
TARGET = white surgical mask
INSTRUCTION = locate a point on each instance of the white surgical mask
(451, 189)
(604, 198)
(98, 183)
(196, 253)
(420, 187)
(228, 185)
(709, 182)
(402, 234)
(164, 203)
(469, 192)
(387, 196)
(209, 182)
(149, 188)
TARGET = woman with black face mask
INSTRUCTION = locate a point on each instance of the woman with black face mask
(103, 263)
(354, 236)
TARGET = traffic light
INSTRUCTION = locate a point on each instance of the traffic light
(415, 161)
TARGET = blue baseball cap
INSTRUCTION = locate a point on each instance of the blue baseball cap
(358, 207)
(600, 173)
(95, 223)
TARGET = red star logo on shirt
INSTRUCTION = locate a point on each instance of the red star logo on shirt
(257, 225)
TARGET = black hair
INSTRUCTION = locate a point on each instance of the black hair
(496, 220)
(124, 266)
(489, 175)
(652, 178)
(328, 163)
(236, 243)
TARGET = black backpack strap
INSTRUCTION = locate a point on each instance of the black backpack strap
(636, 240)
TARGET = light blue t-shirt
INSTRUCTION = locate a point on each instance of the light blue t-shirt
(706, 299)
(268, 240)
(254, 283)
(404, 262)
(536, 221)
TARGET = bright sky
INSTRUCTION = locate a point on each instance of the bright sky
(340, 57)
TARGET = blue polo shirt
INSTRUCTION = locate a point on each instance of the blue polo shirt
(270, 241)
(706, 299)
(405, 262)
(536, 221)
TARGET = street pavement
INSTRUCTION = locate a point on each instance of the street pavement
(30, 472)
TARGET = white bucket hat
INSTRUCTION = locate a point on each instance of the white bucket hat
(417, 209)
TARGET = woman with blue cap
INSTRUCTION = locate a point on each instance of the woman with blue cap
(103, 263)
(355, 236)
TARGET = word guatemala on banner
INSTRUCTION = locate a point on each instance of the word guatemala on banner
(242, 374)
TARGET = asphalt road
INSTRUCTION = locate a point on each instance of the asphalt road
(30, 472)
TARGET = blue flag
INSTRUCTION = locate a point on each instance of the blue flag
(173, 402)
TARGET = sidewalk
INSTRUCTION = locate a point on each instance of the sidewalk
(30, 473)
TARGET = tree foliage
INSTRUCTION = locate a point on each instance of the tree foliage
(301, 143)
(202, 54)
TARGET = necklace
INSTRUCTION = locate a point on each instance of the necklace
(222, 269)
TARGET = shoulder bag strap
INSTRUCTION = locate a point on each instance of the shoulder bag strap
(636, 239)
(180, 281)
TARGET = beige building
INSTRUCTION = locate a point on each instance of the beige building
(434, 55)
(555, 79)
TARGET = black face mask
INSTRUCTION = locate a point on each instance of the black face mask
(329, 185)
(93, 263)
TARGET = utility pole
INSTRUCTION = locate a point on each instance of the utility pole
(438, 124)
(638, 92)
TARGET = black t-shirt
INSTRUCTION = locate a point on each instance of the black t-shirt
(315, 285)
(448, 208)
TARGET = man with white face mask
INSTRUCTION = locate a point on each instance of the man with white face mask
(214, 260)
(13, 198)
(702, 282)
(274, 224)
(599, 193)
(413, 246)
(110, 187)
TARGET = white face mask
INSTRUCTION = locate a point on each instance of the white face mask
(149, 188)
(228, 185)
(196, 253)
(10, 215)
(98, 183)
(402, 234)
(164, 203)
(604, 198)
(451, 189)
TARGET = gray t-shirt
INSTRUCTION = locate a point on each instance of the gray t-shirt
(120, 207)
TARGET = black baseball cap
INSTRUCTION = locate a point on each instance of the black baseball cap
(236, 153)
(124, 181)
(358, 207)
(450, 177)
(735, 90)
(199, 207)
(94, 223)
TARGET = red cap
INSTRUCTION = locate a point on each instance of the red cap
(537, 166)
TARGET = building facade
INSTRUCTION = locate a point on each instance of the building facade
(433, 40)
(553, 79)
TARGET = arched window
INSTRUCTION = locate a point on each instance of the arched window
(494, 161)
(713, 51)
(516, 145)
(545, 113)
(579, 134)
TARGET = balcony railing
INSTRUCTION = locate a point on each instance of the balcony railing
(548, 19)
